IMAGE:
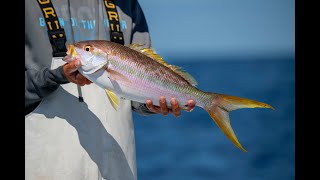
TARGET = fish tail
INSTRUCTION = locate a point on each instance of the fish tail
(219, 106)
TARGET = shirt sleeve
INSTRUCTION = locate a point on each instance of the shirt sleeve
(140, 28)
(41, 82)
(140, 35)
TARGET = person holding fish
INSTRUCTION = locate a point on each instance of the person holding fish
(84, 129)
(75, 129)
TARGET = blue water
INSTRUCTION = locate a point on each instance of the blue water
(192, 146)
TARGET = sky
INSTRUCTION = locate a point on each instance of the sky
(221, 27)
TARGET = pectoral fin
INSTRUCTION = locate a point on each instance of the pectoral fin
(116, 76)
(113, 98)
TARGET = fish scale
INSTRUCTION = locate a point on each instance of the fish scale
(158, 77)
(138, 74)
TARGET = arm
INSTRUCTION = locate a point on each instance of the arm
(140, 31)
(140, 35)
(41, 82)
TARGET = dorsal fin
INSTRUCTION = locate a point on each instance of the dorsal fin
(153, 55)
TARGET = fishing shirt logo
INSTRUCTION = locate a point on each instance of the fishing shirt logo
(83, 27)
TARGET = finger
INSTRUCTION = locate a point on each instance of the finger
(80, 77)
(80, 83)
(151, 107)
(191, 105)
(175, 107)
(163, 106)
(88, 81)
(81, 80)
(72, 66)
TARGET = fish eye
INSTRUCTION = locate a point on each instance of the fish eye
(88, 48)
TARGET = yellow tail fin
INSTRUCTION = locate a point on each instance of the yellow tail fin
(219, 110)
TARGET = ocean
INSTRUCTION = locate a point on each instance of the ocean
(192, 147)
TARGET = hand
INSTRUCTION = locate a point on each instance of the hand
(175, 109)
(73, 75)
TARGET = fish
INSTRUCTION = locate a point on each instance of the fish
(137, 73)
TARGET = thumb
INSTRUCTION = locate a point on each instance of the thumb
(72, 66)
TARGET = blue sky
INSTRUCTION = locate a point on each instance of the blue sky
(221, 27)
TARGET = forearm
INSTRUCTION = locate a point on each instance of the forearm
(41, 83)
(140, 35)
